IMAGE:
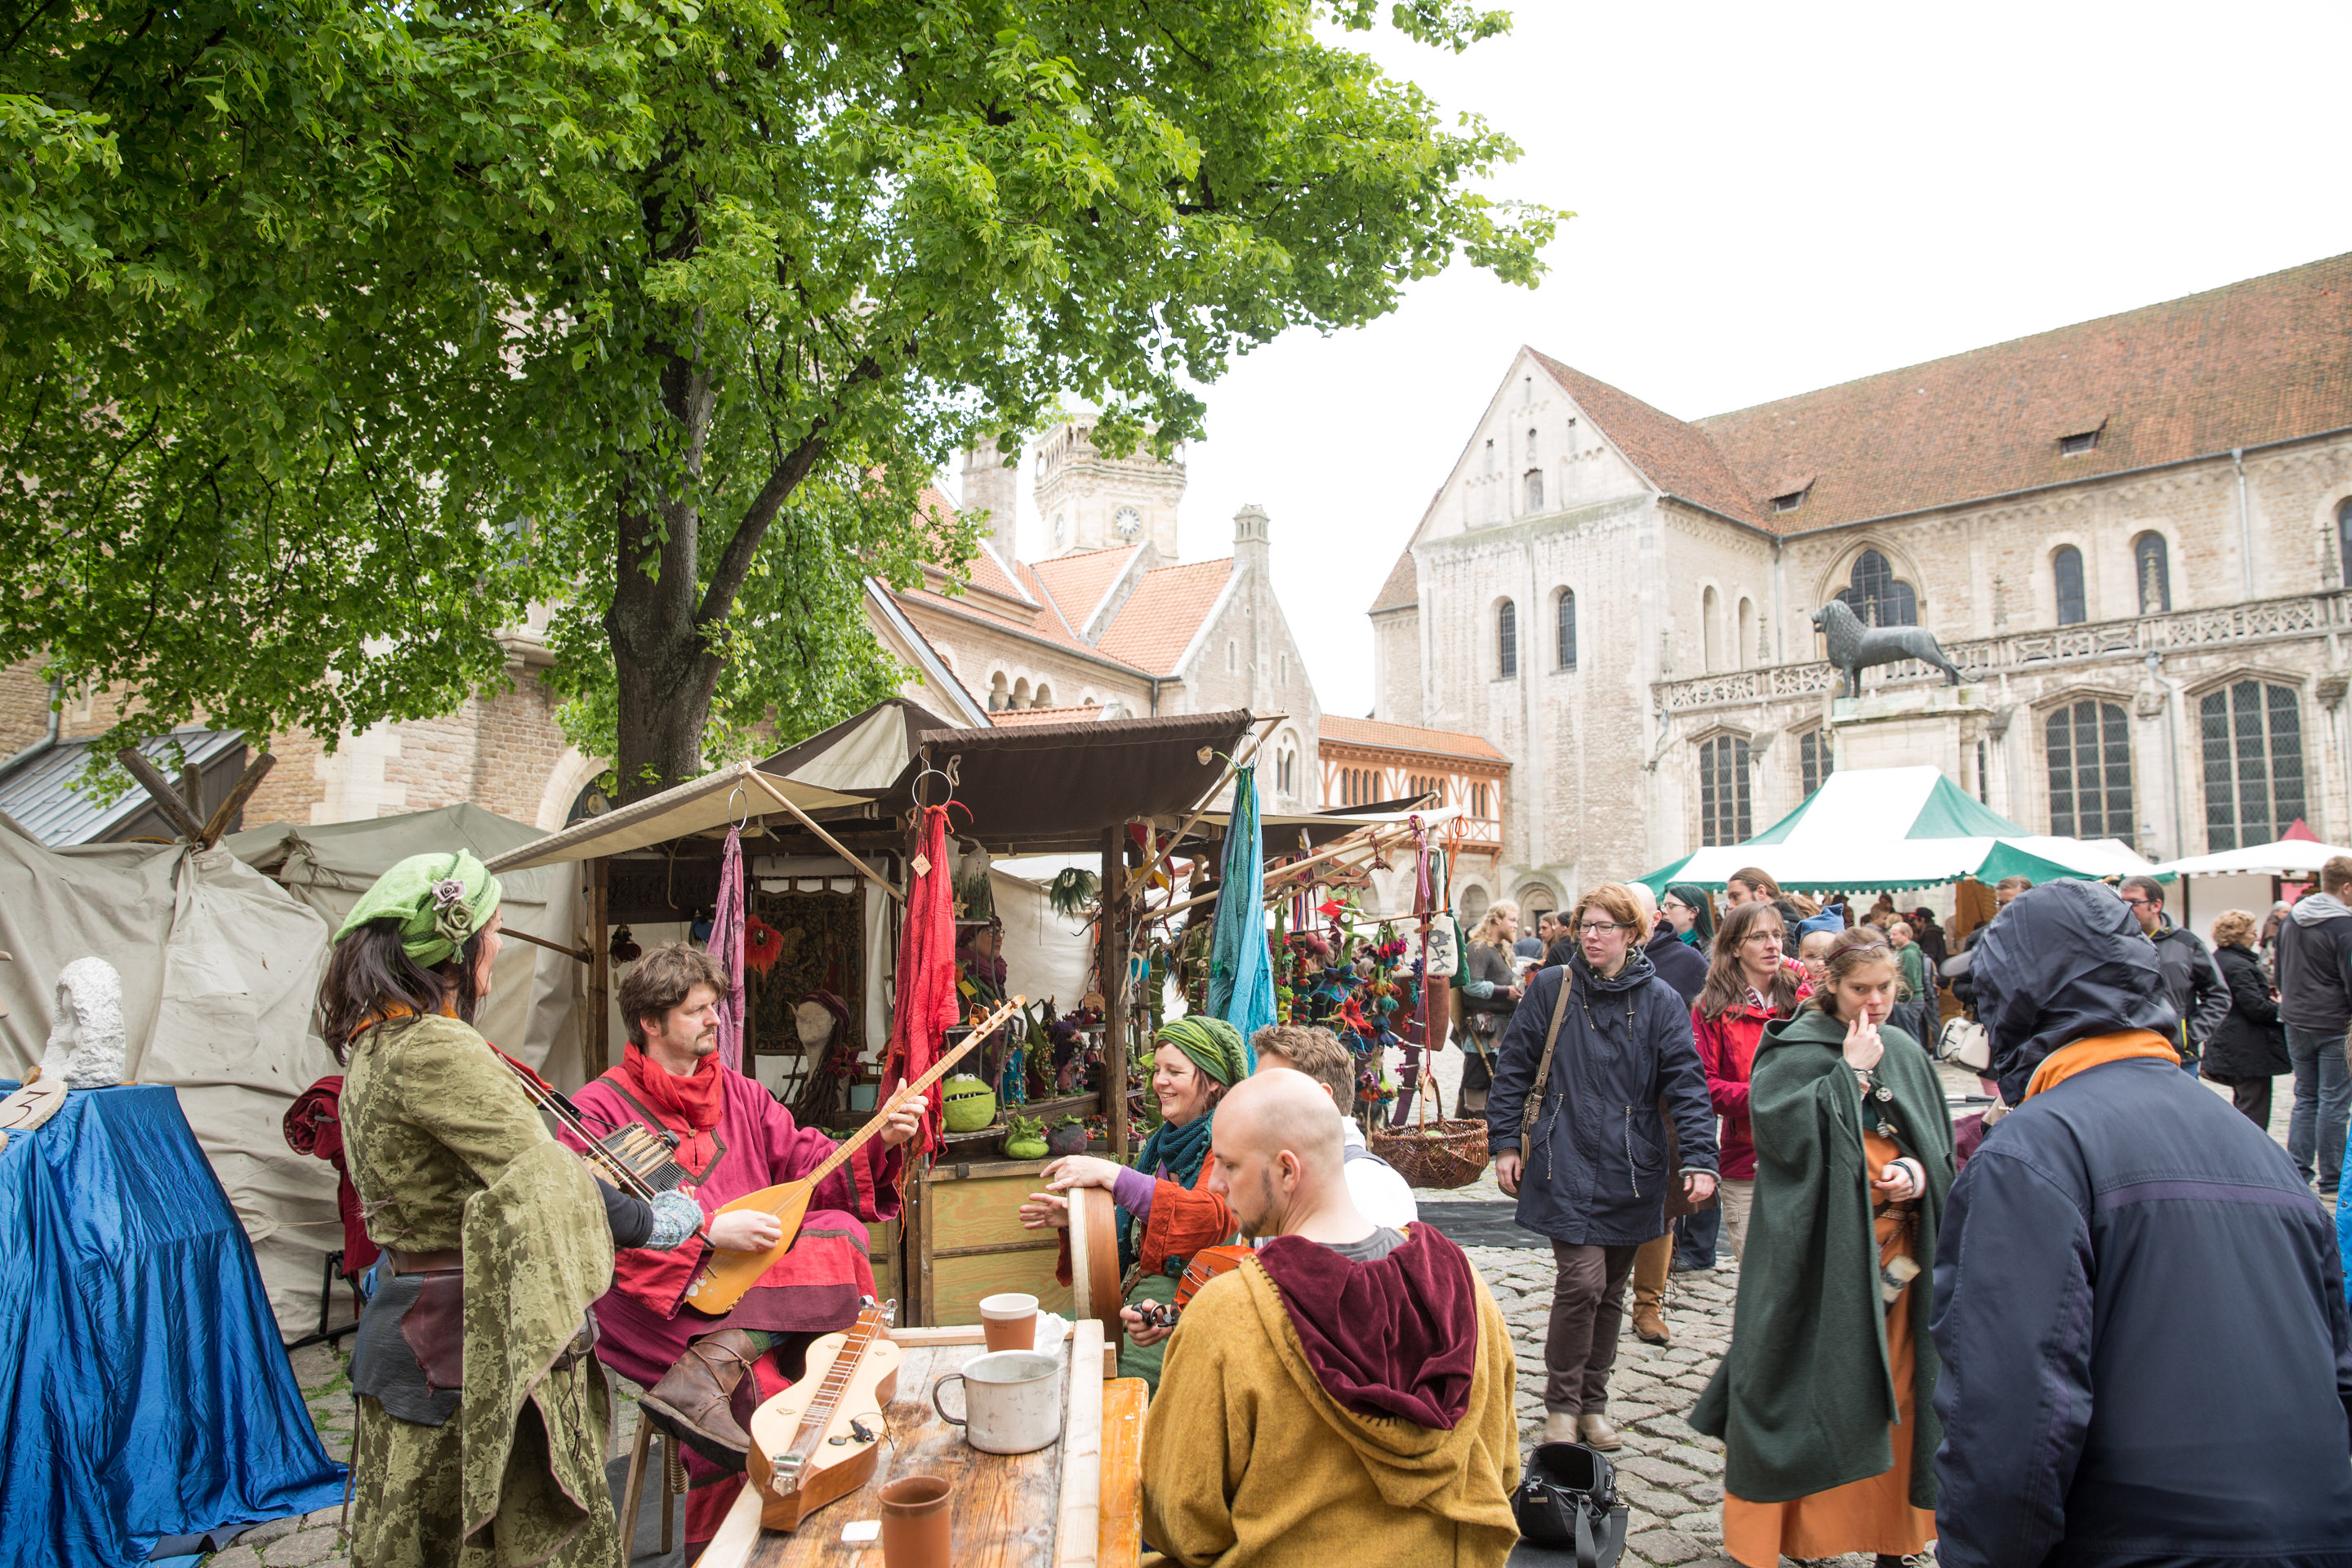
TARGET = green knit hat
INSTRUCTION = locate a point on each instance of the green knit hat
(440, 901)
(1214, 1045)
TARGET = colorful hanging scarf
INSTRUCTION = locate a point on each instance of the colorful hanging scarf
(926, 997)
(1241, 975)
(726, 945)
(701, 1097)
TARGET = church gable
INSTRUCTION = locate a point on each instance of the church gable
(1537, 450)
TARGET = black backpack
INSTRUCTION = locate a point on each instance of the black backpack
(1568, 1498)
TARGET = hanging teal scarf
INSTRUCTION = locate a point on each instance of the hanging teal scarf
(1182, 1149)
(1241, 975)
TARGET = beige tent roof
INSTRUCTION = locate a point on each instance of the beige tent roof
(702, 806)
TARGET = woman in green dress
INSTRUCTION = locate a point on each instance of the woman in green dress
(481, 1415)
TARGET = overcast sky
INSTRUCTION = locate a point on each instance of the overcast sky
(1771, 199)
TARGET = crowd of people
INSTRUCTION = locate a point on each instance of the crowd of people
(2108, 1324)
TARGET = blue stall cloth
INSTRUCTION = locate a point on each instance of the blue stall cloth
(1241, 974)
(143, 1391)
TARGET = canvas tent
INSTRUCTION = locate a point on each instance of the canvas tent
(2247, 878)
(1871, 828)
(219, 972)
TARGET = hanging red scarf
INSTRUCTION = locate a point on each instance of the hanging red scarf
(701, 1097)
(926, 998)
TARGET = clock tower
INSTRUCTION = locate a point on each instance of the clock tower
(1089, 500)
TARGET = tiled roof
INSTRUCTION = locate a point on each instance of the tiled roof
(1405, 738)
(1078, 714)
(2266, 360)
(1157, 622)
(1402, 591)
(1678, 457)
(1077, 582)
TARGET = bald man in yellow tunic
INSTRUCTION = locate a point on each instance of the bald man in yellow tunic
(1345, 1395)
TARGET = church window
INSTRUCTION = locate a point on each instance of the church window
(2075, 444)
(1877, 596)
(2253, 764)
(1478, 800)
(2066, 571)
(1282, 670)
(1232, 656)
(1045, 696)
(2088, 747)
(1507, 640)
(1020, 698)
(2153, 572)
(2344, 537)
(1534, 490)
(1815, 760)
(999, 698)
(1788, 502)
(1723, 789)
(1564, 628)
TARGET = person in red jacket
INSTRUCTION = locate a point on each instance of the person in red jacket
(1748, 984)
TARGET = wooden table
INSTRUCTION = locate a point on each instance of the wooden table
(1075, 1504)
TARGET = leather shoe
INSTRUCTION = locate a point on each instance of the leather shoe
(1560, 1429)
(692, 1398)
(1596, 1433)
(1650, 1325)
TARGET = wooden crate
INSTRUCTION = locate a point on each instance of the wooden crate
(969, 1242)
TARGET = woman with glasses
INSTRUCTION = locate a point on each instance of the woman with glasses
(1600, 1044)
(1691, 912)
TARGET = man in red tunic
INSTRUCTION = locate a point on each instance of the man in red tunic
(733, 1139)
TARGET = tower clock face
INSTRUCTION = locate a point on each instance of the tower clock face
(1128, 522)
(1061, 530)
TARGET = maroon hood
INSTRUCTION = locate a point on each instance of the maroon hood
(1398, 1337)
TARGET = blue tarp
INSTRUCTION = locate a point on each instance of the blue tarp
(1241, 974)
(143, 1391)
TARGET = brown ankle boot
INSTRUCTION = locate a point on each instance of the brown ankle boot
(1650, 1324)
(693, 1396)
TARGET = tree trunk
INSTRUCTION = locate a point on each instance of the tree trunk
(665, 680)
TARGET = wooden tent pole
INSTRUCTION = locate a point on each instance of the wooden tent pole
(159, 789)
(225, 813)
(1112, 951)
(869, 872)
(596, 1047)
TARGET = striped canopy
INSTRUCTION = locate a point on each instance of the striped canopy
(1871, 828)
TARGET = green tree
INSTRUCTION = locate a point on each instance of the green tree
(340, 334)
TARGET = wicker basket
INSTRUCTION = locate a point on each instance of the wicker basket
(1444, 1153)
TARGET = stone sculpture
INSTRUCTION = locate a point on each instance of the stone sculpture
(89, 1048)
(1855, 647)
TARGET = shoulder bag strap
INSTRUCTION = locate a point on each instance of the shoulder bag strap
(1531, 1108)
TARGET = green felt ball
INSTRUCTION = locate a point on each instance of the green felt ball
(969, 1102)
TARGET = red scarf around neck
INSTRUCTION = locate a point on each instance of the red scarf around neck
(701, 1097)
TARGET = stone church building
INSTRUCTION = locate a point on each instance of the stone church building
(2131, 535)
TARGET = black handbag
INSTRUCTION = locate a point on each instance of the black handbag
(1568, 1498)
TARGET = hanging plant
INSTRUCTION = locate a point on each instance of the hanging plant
(1073, 891)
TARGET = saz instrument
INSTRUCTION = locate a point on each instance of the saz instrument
(818, 1439)
(1094, 1260)
(726, 1276)
(633, 1157)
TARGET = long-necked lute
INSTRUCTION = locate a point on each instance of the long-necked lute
(726, 1276)
(818, 1439)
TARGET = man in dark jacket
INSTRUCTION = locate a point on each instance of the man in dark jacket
(1596, 1183)
(2146, 1355)
(2200, 997)
(2314, 981)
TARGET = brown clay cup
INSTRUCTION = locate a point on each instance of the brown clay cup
(1009, 1322)
(915, 1522)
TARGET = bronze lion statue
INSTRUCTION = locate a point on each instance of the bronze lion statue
(1855, 647)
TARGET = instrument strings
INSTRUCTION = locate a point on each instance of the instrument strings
(611, 1156)
(818, 1417)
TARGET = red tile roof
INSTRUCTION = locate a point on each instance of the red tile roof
(1077, 582)
(1678, 457)
(1072, 715)
(1402, 591)
(1406, 738)
(1157, 622)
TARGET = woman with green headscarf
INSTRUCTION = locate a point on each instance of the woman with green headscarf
(495, 1238)
(1166, 1212)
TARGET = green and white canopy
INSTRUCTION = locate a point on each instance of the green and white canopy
(1871, 828)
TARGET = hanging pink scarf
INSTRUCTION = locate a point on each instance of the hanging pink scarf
(726, 945)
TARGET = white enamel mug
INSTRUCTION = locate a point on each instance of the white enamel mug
(1012, 1403)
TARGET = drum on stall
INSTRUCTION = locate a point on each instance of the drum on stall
(1094, 1259)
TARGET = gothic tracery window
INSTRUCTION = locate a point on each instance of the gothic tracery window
(1565, 628)
(1814, 760)
(1723, 813)
(1877, 596)
(1507, 640)
(2088, 748)
(2252, 735)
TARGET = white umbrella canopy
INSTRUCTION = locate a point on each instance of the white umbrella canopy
(2284, 857)
(1871, 828)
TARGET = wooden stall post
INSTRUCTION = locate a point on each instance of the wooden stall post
(1113, 964)
(595, 1045)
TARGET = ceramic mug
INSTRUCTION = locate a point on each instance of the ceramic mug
(1012, 1403)
(1009, 1322)
(915, 1515)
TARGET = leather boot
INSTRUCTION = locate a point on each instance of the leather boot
(1560, 1429)
(1650, 1266)
(1597, 1433)
(693, 1396)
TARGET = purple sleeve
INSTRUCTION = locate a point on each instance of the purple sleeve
(1133, 1190)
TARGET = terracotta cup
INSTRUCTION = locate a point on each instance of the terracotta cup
(1009, 1322)
(915, 1522)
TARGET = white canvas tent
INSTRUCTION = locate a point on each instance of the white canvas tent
(2245, 879)
(1871, 828)
(220, 968)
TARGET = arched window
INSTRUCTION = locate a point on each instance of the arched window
(1813, 759)
(1747, 637)
(1564, 625)
(1876, 595)
(1534, 490)
(2253, 764)
(2344, 538)
(1282, 669)
(2066, 571)
(999, 698)
(1507, 640)
(1044, 697)
(1710, 626)
(1020, 698)
(1478, 800)
(1474, 906)
(2154, 573)
(2089, 756)
(1723, 789)
(1232, 656)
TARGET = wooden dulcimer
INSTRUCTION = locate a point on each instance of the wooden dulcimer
(726, 1276)
(818, 1439)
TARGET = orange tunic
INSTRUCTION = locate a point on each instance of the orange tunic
(1874, 1515)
